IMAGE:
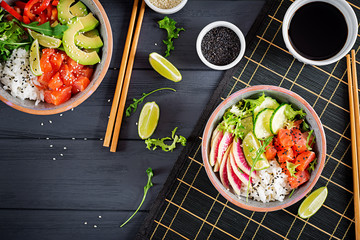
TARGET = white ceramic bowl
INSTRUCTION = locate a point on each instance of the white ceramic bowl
(351, 21)
(215, 25)
(166, 11)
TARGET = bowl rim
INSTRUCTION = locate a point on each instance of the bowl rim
(209, 170)
(211, 26)
(89, 91)
(166, 11)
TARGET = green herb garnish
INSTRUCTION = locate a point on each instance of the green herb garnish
(46, 29)
(133, 106)
(311, 168)
(291, 113)
(291, 193)
(149, 184)
(152, 144)
(308, 144)
(291, 167)
(305, 127)
(257, 158)
(173, 32)
(12, 36)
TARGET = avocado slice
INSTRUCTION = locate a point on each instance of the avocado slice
(79, 9)
(84, 58)
(89, 21)
(89, 39)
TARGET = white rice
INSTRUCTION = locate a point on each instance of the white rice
(272, 185)
(16, 77)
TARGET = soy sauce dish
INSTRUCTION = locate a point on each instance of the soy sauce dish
(280, 179)
(220, 45)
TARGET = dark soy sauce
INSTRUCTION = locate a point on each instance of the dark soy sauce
(318, 31)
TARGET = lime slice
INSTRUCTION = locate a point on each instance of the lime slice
(164, 67)
(148, 120)
(250, 146)
(45, 41)
(35, 59)
(313, 203)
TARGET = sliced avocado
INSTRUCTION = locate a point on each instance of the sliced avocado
(92, 50)
(79, 9)
(89, 39)
(84, 58)
(89, 21)
(64, 14)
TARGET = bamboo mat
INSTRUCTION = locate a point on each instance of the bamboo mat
(189, 207)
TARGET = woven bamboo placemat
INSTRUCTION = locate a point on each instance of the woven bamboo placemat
(189, 207)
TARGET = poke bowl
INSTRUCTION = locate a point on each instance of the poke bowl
(264, 148)
(84, 62)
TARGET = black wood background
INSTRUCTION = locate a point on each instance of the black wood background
(56, 179)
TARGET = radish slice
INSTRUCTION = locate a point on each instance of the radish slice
(224, 144)
(240, 159)
(215, 146)
(234, 181)
(240, 174)
(223, 169)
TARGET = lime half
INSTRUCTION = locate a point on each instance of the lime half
(164, 67)
(45, 41)
(313, 203)
(148, 120)
(35, 59)
(250, 146)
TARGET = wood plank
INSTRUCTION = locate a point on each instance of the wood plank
(54, 225)
(181, 109)
(86, 177)
(193, 17)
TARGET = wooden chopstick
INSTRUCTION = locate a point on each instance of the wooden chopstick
(355, 137)
(129, 67)
(115, 103)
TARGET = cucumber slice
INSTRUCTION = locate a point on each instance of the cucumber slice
(267, 103)
(262, 124)
(278, 119)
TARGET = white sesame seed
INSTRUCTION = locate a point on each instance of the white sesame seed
(73, 138)
(85, 139)
(61, 154)
(99, 216)
(95, 226)
(42, 124)
(109, 100)
(54, 159)
(47, 138)
(61, 115)
(51, 145)
(65, 148)
(85, 223)
(50, 121)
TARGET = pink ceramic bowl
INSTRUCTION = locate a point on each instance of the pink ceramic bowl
(283, 96)
(99, 72)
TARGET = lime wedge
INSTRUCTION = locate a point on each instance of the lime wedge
(313, 203)
(164, 67)
(148, 120)
(45, 41)
(250, 146)
(35, 59)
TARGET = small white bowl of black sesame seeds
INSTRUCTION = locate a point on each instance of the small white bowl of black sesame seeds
(220, 45)
(166, 6)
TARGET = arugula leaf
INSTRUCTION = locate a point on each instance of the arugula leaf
(12, 36)
(133, 106)
(148, 185)
(304, 127)
(153, 144)
(290, 113)
(46, 29)
(292, 193)
(308, 144)
(291, 167)
(257, 158)
(311, 168)
(173, 32)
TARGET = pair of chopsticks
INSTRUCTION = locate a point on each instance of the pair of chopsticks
(355, 135)
(122, 85)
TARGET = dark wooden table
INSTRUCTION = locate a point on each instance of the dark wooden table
(57, 181)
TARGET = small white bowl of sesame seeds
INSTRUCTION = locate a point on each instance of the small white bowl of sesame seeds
(166, 6)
